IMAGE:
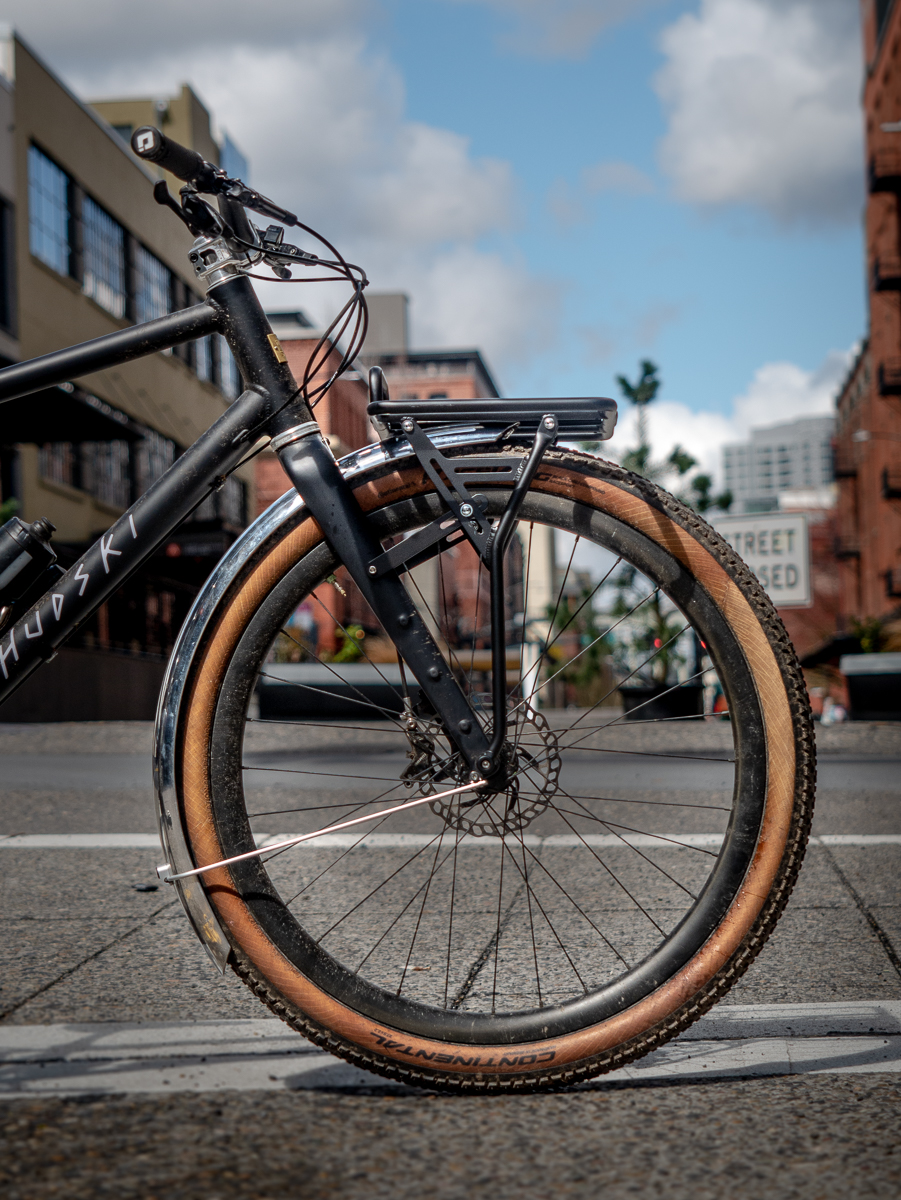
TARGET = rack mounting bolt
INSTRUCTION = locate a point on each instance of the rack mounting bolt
(485, 764)
(407, 426)
(465, 725)
(549, 422)
(434, 673)
(466, 510)
(373, 570)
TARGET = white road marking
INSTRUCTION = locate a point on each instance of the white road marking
(737, 1041)
(150, 841)
(80, 841)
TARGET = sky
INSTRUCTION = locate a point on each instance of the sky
(570, 185)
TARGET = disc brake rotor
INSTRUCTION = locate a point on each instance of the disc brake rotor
(533, 774)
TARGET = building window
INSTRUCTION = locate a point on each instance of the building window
(104, 258)
(102, 469)
(203, 358)
(228, 505)
(227, 375)
(7, 268)
(57, 463)
(106, 472)
(153, 286)
(49, 223)
(155, 456)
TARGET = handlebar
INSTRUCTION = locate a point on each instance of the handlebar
(148, 143)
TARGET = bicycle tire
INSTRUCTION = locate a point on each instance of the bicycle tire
(666, 987)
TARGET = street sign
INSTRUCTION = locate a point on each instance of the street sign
(776, 547)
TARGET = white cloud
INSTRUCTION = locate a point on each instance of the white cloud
(94, 33)
(640, 331)
(616, 176)
(783, 391)
(762, 99)
(321, 117)
(565, 204)
(671, 423)
(778, 391)
(560, 28)
(466, 292)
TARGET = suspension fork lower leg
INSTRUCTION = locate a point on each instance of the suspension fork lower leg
(313, 471)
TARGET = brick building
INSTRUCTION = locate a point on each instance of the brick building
(461, 620)
(868, 430)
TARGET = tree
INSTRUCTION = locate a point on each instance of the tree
(678, 462)
(641, 394)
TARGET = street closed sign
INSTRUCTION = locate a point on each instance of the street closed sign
(776, 547)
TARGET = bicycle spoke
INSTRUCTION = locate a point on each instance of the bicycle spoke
(619, 883)
(531, 921)
(362, 648)
(550, 924)
(425, 897)
(306, 687)
(450, 921)
(633, 847)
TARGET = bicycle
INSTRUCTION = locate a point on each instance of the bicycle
(465, 903)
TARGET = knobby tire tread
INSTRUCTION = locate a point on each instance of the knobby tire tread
(749, 948)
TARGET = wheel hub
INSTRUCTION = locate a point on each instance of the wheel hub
(531, 771)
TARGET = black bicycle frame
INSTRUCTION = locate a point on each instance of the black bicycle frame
(269, 406)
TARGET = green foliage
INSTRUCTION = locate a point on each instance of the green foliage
(870, 632)
(8, 509)
(350, 649)
(678, 462)
(702, 500)
(639, 461)
(681, 461)
(647, 387)
(575, 618)
(646, 639)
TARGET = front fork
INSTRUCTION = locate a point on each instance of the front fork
(312, 469)
(314, 472)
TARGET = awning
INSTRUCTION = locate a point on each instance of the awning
(64, 414)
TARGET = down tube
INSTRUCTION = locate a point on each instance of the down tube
(134, 537)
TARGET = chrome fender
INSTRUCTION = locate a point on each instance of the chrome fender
(173, 694)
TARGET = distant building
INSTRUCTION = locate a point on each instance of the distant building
(420, 374)
(790, 456)
(462, 587)
(183, 117)
(85, 251)
(868, 431)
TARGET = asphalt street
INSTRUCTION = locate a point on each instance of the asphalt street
(791, 1088)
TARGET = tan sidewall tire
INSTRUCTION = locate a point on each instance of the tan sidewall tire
(672, 1006)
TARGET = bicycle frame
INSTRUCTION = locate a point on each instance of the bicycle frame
(268, 407)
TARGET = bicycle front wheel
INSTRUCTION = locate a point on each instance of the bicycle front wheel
(629, 871)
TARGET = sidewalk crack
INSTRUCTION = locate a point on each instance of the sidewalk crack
(45, 987)
(881, 936)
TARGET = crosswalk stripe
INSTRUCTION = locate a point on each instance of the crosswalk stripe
(733, 1041)
(150, 841)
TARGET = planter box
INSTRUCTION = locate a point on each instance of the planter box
(647, 703)
(345, 690)
(874, 686)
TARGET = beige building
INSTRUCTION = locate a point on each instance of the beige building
(87, 251)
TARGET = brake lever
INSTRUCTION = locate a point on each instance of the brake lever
(275, 250)
(234, 189)
(197, 215)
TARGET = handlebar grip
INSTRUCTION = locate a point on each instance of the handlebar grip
(148, 143)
